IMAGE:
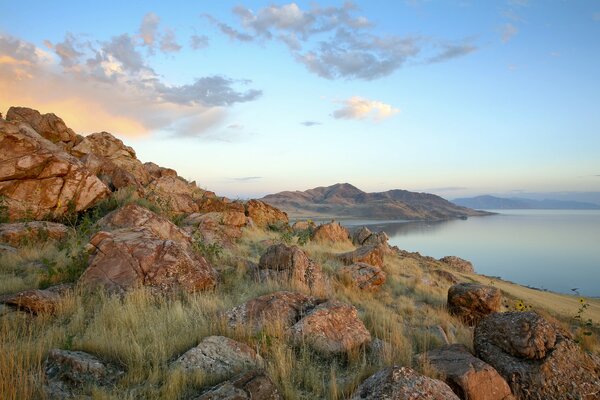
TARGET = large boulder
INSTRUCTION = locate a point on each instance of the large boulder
(363, 276)
(210, 202)
(155, 171)
(292, 264)
(20, 233)
(538, 359)
(38, 179)
(253, 385)
(223, 227)
(373, 255)
(264, 215)
(468, 376)
(331, 328)
(364, 237)
(471, 301)
(175, 194)
(303, 226)
(458, 264)
(37, 301)
(331, 232)
(402, 383)
(49, 126)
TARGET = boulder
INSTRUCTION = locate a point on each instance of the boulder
(279, 308)
(264, 215)
(223, 227)
(364, 237)
(301, 226)
(49, 126)
(210, 202)
(128, 258)
(372, 255)
(458, 264)
(363, 276)
(219, 356)
(331, 232)
(38, 179)
(291, 263)
(472, 301)
(253, 385)
(538, 359)
(331, 328)
(37, 301)
(444, 276)
(155, 171)
(19, 233)
(402, 383)
(468, 376)
(175, 195)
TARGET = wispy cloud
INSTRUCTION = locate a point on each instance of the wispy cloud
(509, 30)
(310, 123)
(450, 51)
(247, 178)
(198, 42)
(596, 16)
(360, 108)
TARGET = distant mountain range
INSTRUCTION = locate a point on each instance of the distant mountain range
(517, 203)
(347, 201)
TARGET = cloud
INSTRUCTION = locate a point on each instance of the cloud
(360, 108)
(209, 91)
(149, 29)
(233, 34)
(198, 42)
(152, 38)
(509, 30)
(596, 16)
(247, 178)
(447, 189)
(450, 51)
(235, 126)
(66, 50)
(310, 123)
(168, 43)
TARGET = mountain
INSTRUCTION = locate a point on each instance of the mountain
(517, 203)
(345, 200)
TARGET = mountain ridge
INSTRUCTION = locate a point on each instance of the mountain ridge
(520, 203)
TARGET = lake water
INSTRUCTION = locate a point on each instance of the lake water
(548, 249)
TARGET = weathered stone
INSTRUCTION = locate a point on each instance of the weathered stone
(264, 215)
(331, 232)
(175, 194)
(373, 255)
(20, 233)
(300, 226)
(538, 360)
(331, 328)
(458, 264)
(364, 237)
(472, 301)
(37, 301)
(402, 383)
(210, 202)
(49, 126)
(253, 385)
(444, 275)
(223, 227)
(155, 171)
(363, 276)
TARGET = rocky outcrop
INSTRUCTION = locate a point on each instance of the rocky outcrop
(253, 385)
(363, 276)
(469, 377)
(331, 232)
(331, 328)
(264, 215)
(402, 383)
(471, 301)
(537, 359)
(373, 255)
(155, 171)
(302, 226)
(458, 264)
(69, 373)
(38, 179)
(37, 301)
(223, 227)
(209, 202)
(364, 237)
(49, 126)
(175, 194)
(20, 233)
(219, 356)
(292, 264)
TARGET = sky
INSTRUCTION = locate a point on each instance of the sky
(247, 98)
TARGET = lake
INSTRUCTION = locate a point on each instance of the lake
(548, 249)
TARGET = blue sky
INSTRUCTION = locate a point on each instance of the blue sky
(249, 98)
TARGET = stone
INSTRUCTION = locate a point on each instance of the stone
(458, 264)
(468, 376)
(264, 215)
(175, 194)
(37, 301)
(253, 385)
(331, 328)
(444, 275)
(363, 276)
(301, 226)
(331, 232)
(364, 237)
(48, 126)
(38, 179)
(373, 255)
(402, 383)
(155, 171)
(223, 227)
(538, 359)
(219, 356)
(210, 202)
(20, 233)
(471, 301)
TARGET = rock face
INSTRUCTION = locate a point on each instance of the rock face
(469, 377)
(37, 301)
(220, 356)
(458, 264)
(291, 263)
(20, 233)
(332, 328)
(223, 227)
(364, 237)
(252, 385)
(372, 255)
(49, 126)
(264, 215)
(472, 301)
(69, 372)
(331, 232)
(536, 358)
(175, 194)
(402, 383)
(39, 179)
(363, 276)
(300, 226)
(155, 171)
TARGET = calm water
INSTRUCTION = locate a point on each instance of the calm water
(554, 250)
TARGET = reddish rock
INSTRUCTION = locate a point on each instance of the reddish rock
(37, 301)
(20, 233)
(300, 226)
(364, 237)
(209, 202)
(175, 195)
(363, 276)
(331, 232)
(472, 301)
(264, 215)
(372, 255)
(253, 385)
(155, 171)
(49, 126)
(223, 227)
(458, 264)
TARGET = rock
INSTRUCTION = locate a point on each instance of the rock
(331, 328)
(472, 301)
(222, 227)
(468, 376)
(331, 232)
(280, 308)
(458, 264)
(537, 359)
(265, 215)
(444, 275)
(69, 373)
(49, 126)
(209, 202)
(155, 171)
(372, 255)
(364, 237)
(175, 194)
(20, 233)
(363, 276)
(402, 383)
(219, 356)
(4, 249)
(291, 263)
(38, 179)
(300, 226)
(253, 385)
(128, 258)
(37, 301)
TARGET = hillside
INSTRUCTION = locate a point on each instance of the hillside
(516, 203)
(344, 200)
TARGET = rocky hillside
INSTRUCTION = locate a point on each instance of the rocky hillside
(345, 200)
(120, 280)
